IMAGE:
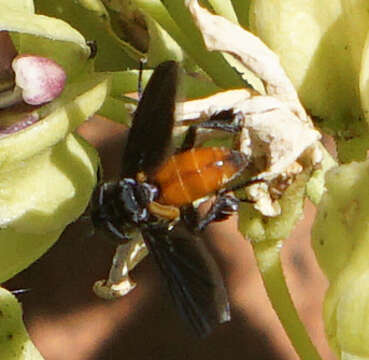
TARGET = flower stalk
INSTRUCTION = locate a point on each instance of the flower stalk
(268, 258)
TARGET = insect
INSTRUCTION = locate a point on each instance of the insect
(155, 191)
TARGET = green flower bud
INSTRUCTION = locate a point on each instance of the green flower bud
(15, 343)
(341, 244)
(324, 55)
(46, 178)
(39, 197)
(47, 37)
(260, 228)
(47, 174)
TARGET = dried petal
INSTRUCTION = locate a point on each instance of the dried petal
(222, 35)
(126, 257)
(276, 130)
(276, 134)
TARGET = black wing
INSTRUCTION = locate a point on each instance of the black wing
(153, 121)
(192, 276)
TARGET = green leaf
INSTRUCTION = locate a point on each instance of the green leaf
(242, 10)
(94, 23)
(162, 47)
(114, 109)
(175, 18)
(224, 8)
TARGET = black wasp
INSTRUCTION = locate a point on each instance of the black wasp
(156, 190)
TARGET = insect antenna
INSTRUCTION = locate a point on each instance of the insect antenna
(143, 61)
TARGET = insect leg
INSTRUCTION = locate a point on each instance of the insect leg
(143, 61)
(226, 121)
(224, 206)
(189, 140)
(189, 215)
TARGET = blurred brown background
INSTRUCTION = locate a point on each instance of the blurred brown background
(67, 321)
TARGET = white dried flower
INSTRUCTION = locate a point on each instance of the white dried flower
(126, 257)
(276, 131)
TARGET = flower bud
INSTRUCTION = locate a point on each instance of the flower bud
(341, 244)
(326, 59)
(41, 79)
(15, 342)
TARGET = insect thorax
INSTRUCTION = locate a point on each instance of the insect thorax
(121, 206)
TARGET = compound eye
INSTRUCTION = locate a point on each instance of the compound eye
(150, 192)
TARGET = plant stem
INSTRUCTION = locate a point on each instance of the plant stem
(10, 97)
(213, 63)
(224, 8)
(269, 263)
(175, 18)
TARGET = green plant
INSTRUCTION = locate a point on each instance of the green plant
(293, 76)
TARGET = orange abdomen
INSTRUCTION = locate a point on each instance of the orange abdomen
(195, 173)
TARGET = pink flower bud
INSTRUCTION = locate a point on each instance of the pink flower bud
(41, 79)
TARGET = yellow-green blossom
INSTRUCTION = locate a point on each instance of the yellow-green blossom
(47, 174)
(325, 53)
